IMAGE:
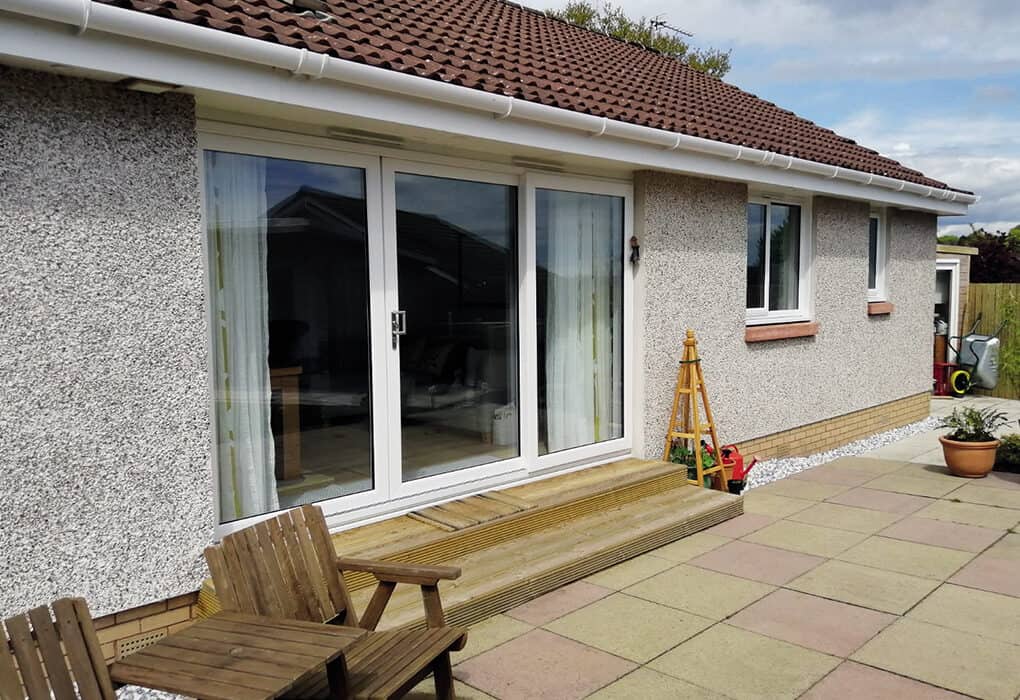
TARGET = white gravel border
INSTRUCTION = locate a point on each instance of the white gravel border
(775, 469)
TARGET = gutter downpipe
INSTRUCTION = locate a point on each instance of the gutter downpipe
(87, 15)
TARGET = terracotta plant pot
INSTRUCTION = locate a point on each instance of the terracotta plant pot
(972, 460)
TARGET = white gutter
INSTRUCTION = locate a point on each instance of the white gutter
(87, 15)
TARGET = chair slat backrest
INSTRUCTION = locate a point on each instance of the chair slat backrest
(282, 567)
(43, 657)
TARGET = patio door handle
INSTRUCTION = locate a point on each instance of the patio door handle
(398, 325)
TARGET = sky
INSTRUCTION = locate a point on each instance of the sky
(934, 84)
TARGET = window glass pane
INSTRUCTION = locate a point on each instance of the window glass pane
(457, 280)
(289, 276)
(873, 254)
(580, 318)
(784, 257)
(755, 256)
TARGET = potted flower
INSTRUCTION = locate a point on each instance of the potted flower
(970, 447)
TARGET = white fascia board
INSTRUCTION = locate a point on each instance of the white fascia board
(44, 41)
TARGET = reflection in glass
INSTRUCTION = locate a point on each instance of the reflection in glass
(580, 318)
(784, 257)
(457, 283)
(755, 256)
(289, 276)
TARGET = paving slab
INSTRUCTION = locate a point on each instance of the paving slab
(979, 493)
(630, 572)
(969, 538)
(757, 562)
(426, 690)
(853, 680)
(982, 613)
(936, 472)
(933, 457)
(1000, 480)
(809, 621)
(878, 589)
(792, 487)
(757, 501)
(972, 513)
(700, 591)
(843, 517)
(630, 627)
(989, 572)
(885, 501)
(914, 485)
(833, 473)
(740, 525)
(541, 664)
(690, 547)
(558, 603)
(647, 684)
(809, 539)
(948, 658)
(870, 465)
(913, 558)
(767, 668)
(490, 633)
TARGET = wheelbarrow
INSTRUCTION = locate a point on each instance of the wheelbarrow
(978, 358)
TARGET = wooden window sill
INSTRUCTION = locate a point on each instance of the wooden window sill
(880, 308)
(780, 331)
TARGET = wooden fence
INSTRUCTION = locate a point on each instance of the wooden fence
(996, 302)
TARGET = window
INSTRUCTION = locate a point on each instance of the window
(876, 258)
(580, 318)
(778, 255)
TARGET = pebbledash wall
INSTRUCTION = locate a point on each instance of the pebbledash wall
(693, 241)
(104, 420)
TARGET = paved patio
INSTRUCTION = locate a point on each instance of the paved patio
(878, 576)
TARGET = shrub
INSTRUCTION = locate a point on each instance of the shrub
(1007, 459)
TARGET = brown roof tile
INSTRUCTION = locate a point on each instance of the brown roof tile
(498, 47)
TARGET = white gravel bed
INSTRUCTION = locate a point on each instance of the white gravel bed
(775, 469)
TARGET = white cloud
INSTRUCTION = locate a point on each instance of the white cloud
(980, 154)
(835, 39)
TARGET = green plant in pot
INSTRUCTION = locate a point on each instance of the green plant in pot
(969, 447)
(680, 453)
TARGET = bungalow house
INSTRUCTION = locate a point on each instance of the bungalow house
(261, 253)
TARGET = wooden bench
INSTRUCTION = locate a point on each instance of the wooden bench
(58, 655)
(286, 567)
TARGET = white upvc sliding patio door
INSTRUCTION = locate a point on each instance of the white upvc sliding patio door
(388, 333)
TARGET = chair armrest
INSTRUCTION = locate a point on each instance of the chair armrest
(396, 572)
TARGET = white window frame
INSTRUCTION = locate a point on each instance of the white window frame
(804, 311)
(878, 292)
(389, 496)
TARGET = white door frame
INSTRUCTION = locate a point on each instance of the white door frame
(389, 495)
(398, 488)
(952, 265)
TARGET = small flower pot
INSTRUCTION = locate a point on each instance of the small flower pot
(971, 460)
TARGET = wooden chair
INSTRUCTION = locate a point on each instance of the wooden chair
(43, 671)
(287, 567)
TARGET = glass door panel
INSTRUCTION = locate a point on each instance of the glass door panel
(288, 249)
(579, 249)
(456, 258)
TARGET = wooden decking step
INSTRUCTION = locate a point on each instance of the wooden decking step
(517, 543)
(514, 571)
